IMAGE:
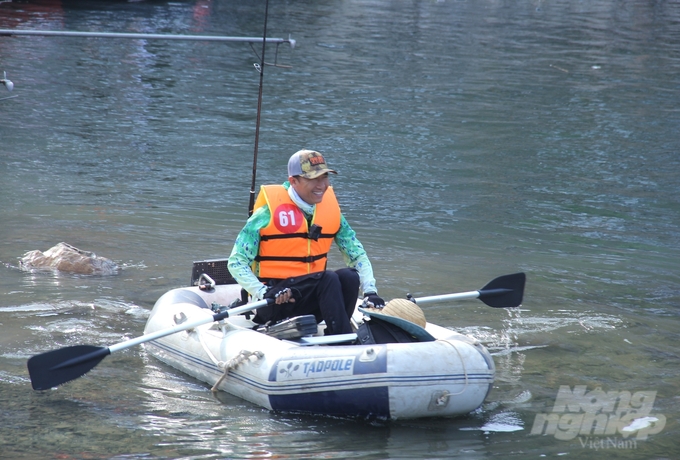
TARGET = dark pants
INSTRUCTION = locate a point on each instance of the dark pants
(329, 295)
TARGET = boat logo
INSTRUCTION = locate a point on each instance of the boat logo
(297, 369)
(290, 368)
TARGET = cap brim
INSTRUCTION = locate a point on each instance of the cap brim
(412, 328)
(315, 174)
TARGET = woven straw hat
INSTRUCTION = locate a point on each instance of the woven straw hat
(402, 308)
(403, 313)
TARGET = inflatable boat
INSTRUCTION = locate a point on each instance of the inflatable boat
(442, 374)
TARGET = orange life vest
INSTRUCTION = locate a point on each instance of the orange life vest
(287, 246)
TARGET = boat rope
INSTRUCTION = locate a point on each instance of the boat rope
(244, 355)
(207, 350)
(464, 368)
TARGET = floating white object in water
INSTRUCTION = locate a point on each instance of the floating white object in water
(69, 259)
(505, 422)
(640, 423)
(8, 83)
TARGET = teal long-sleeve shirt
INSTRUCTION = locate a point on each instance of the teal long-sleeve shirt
(248, 242)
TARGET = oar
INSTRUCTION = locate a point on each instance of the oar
(51, 369)
(503, 292)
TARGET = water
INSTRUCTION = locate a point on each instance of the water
(473, 139)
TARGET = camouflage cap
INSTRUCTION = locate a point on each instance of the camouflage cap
(308, 164)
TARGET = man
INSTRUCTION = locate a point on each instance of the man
(286, 242)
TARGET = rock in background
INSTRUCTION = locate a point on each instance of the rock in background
(68, 259)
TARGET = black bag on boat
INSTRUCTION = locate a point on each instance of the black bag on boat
(377, 331)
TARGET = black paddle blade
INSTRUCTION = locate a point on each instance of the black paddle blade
(51, 369)
(504, 292)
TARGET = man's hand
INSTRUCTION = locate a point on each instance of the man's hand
(371, 299)
(283, 296)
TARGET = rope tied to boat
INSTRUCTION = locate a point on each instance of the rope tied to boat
(462, 361)
(243, 356)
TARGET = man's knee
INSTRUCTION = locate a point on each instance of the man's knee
(347, 275)
(329, 279)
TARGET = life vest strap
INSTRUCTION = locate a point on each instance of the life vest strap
(307, 259)
(293, 235)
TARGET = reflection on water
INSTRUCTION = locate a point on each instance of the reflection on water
(234, 428)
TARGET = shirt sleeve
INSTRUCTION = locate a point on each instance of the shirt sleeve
(355, 256)
(244, 252)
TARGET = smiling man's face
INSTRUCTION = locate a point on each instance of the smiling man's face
(310, 190)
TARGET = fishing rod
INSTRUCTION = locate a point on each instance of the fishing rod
(141, 36)
(260, 69)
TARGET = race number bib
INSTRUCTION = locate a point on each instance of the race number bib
(288, 218)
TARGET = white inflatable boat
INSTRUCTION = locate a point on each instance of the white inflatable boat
(451, 374)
